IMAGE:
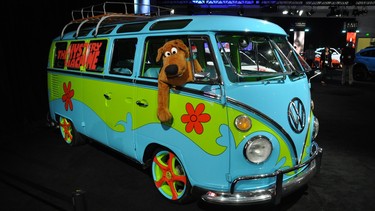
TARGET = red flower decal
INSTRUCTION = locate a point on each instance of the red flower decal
(67, 97)
(194, 118)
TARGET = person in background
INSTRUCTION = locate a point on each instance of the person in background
(347, 61)
(325, 64)
(310, 55)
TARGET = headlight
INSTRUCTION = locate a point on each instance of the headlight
(316, 128)
(243, 123)
(258, 149)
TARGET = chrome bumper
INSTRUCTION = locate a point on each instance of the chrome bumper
(272, 194)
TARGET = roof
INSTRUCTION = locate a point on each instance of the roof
(92, 21)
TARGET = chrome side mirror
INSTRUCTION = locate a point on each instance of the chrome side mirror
(317, 72)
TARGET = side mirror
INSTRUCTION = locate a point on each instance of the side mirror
(317, 72)
(243, 42)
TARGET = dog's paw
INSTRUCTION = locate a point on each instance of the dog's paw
(164, 116)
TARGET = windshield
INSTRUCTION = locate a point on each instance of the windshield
(260, 56)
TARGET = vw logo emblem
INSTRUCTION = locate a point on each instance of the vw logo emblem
(296, 115)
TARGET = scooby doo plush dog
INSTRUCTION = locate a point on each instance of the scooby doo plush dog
(176, 71)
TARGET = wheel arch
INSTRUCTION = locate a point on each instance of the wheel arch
(149, 152)
(359, 65)
(153, 147)
(360, 71)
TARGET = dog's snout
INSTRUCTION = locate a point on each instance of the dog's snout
(171, 70)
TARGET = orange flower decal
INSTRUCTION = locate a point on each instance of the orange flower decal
(67, 97)
(194, 118)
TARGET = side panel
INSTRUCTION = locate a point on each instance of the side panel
(64, 93)
(94, 109)
(99, 110)
(199, 133)
(91, 60)
(119, 105)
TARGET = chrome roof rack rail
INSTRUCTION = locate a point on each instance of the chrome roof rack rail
(111, 13)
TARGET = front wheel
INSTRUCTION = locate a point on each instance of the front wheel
(170, 177)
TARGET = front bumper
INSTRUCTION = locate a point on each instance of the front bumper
(272, 194)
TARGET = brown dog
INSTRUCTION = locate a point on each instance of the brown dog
(176, 71)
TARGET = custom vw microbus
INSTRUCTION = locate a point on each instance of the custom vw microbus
(243, 130)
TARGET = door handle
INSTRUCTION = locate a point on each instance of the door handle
(107, 96)
(142, 103)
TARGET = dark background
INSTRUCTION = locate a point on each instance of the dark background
(30, 26)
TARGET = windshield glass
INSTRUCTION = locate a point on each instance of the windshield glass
(292, 56)
(258, 56)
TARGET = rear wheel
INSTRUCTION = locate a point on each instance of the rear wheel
(170, 177)
(69, 133)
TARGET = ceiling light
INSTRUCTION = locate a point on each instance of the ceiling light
(300, 12)
(310, 13)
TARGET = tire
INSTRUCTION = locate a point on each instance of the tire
(69, 133)
(360, 73)
(170, 177)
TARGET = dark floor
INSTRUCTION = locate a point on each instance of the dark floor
(40, 172)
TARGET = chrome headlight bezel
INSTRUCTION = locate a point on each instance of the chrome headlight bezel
(258, 149)
(243, 123)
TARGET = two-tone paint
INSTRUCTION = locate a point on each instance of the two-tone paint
(120, 112)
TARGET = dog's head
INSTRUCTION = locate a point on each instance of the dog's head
(175, 55)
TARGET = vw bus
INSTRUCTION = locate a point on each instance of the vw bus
(243, 131)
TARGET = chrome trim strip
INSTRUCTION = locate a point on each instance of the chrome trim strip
(310, 125)
(267, 118)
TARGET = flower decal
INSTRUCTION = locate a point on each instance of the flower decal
(194, 118)
(67, 97)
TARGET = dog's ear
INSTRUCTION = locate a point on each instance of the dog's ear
(160, 53)
(180, 44)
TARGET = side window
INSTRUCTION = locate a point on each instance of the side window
(370, 53)
(200, 57)
(96, 55)
(201, 52)
(86, 55)
(76, 55)
(151, 67)
(60, 55)
(123, 56)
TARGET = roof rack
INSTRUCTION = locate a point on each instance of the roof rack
(112, 12)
